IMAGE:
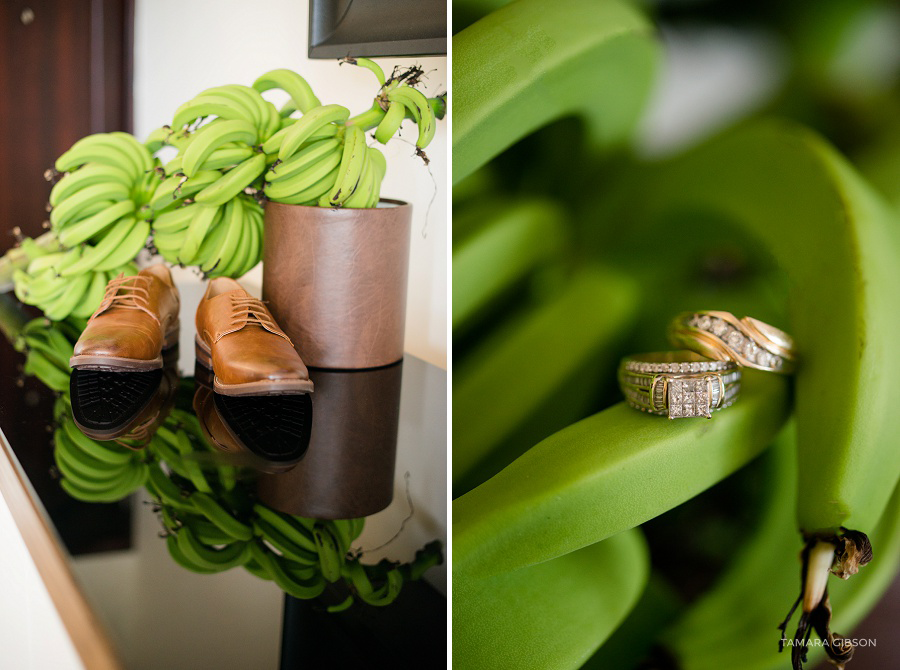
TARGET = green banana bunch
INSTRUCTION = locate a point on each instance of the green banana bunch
(222, 240)
(398, 99)
(108, 181)
(48, 348)
(73, 282)
(344, 172)
(95, 471)
(21, 255)
(214, 524)
(231, 103)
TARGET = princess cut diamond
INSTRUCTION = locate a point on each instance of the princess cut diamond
(688, 398)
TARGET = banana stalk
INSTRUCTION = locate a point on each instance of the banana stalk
(18, 258)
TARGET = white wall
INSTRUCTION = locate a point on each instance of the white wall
(32, 635)
(185, 46)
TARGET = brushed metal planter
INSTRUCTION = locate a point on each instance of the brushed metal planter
(335, 280)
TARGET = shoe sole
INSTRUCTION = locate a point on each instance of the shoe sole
(121, 364)
(257, 388)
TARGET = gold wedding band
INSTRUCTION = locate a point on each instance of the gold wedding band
(723, 337)
(678, 384)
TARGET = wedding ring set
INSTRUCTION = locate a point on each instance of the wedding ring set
(707, 376)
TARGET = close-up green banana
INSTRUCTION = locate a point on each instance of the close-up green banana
(575, 244)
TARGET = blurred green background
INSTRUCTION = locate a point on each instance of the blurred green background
(598, 199)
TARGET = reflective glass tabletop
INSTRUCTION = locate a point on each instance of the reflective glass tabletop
(212, 531)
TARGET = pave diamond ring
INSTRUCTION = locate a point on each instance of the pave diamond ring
(723, 337)
(678, 384)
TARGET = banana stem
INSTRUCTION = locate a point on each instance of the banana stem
(372, 116)
(17, 259)
(368, 119)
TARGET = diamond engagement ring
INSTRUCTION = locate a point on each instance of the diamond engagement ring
(678, 384)
(723, 337)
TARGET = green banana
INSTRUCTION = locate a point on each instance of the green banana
(589, 465)
(72, 206)
(293, 84)
(225, 157)
(291, 527)
(206, 532)
(180, 559)
(221, 517)
(173, 221)
(530, 403)
(286, 545)
(93, 296)
(69, 299)
(236, 97)
(274, 567)
(302, 160)
(197, 109)
(518, 238)
(117, 247)
(37, 365)
(104, 149)
(554, 614)
(418, 105)
(215, 560)
(225, 248)
(367, 593)
(135, 149)
(390, 124)
(372, 66)
(204, 218)
(809, 196)
(304, 182)
(512, 86)
(127, 485)
(165, 489)
(351, 167)
(108, 452)
(212, 136)
(89, 175)
(232, 182)
(365, 189)
(330, 557)
(46, 262)
(81, 231)
(176, 189)
(304, 128)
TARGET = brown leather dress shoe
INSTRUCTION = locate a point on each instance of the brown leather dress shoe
(136, 320)
(239, 340)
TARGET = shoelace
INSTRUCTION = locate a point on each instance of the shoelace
(134, 295)
(248, 310)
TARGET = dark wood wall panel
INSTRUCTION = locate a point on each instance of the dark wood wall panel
(63, 75)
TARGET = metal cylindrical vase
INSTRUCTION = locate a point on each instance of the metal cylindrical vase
(335, 280)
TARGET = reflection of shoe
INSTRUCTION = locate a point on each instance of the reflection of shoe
(239, 340)
(126, 407)
(136, 320)
(266, 433)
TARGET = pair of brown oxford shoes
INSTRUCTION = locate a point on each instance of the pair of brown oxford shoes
(237, 337)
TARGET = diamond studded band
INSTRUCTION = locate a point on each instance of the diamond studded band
(722, 336)
(678, 384)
